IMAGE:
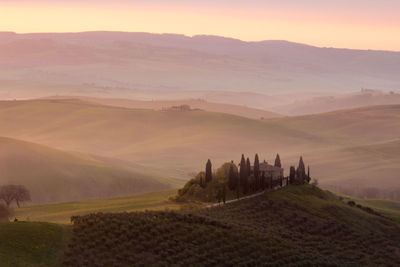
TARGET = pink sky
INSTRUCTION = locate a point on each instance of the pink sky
(364, 24)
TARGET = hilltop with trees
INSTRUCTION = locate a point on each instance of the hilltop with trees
(231, 181)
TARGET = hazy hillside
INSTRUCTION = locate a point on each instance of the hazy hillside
(52, 175)
(363, 170)
(177, 144)
(328, 103)
(237, 110)
(116, 64)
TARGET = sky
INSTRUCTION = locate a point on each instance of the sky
(357, 24)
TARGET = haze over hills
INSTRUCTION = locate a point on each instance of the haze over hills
(52, 175)
(320, 104)
(146, 66)
(175, 144)
(237, 110)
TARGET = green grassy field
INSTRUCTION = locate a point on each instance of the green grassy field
(33, 244)
(386, 207)
(62, 212)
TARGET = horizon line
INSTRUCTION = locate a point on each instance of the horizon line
(198, 35)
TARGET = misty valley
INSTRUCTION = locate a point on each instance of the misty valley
(121, 148)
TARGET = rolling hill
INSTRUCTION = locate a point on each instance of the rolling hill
(327, 103)
(237, 110)
(298, 225)
(62, 212)
(174, 145)
(52, 175)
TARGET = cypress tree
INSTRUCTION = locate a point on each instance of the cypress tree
(308, 174)
(232, 177)
(208, 172)
(262, 182)
(243, 175)
(248, 167)
(292, 175)
(278, 161)
(256, 173)
(301, 171)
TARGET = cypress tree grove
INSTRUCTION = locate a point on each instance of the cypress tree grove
(256, 172)
(208, 172)
(278, 161)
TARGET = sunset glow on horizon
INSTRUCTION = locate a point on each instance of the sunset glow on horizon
(349, 24)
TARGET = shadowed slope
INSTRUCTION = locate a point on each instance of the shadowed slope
(299, 225)
(52, 175)
(32, 244)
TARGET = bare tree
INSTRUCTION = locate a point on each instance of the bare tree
(7, 193)
(22, 195)
(17, 193)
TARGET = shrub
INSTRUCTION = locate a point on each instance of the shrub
(351, 203)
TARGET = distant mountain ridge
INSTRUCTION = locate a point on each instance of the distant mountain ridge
(168, 63)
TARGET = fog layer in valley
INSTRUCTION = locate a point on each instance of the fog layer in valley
(269, 75)
(103, 116)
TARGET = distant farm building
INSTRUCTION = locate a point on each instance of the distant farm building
(270, 171)
(178, 108)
